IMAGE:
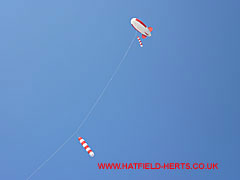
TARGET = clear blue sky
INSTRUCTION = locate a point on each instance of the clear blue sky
(175, 100)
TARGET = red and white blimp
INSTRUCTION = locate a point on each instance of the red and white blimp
(141, 27)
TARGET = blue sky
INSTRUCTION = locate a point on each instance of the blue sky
(175, 100)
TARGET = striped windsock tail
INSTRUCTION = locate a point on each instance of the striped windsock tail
(140, 42)
(85, 145)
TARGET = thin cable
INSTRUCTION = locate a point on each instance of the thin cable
(89, 112)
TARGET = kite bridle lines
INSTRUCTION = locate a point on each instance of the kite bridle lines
(88, 114)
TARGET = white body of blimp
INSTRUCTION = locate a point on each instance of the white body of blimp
(141, 27)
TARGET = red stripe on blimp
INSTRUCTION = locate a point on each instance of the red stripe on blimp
(141, 22)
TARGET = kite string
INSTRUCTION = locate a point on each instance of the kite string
(89, 112)
(106, 86)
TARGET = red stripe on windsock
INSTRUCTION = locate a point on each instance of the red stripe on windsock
(140, 42)
(90, 152)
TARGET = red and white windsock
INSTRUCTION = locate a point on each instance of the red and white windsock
(87, 148)
(140, 42)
